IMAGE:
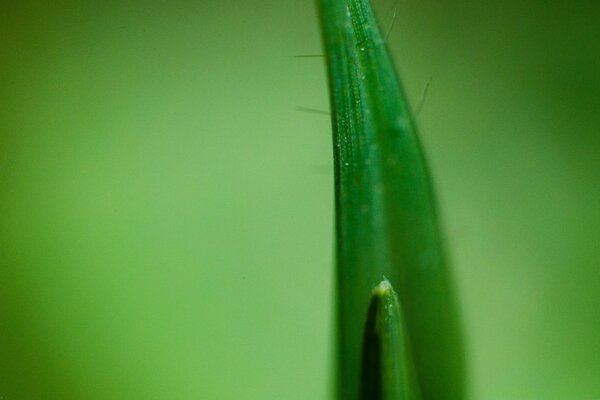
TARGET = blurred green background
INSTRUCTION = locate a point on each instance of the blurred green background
(166, 213)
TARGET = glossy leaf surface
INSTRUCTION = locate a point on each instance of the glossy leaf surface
(385, 212)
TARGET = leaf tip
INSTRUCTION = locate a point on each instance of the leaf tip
(384, 288)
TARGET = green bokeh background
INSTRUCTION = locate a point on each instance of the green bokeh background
(166, 214)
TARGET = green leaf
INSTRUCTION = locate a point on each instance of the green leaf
(387, 365)
(385, 210)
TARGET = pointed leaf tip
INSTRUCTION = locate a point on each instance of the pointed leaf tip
(387, 365)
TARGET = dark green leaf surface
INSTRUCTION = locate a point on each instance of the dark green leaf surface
(387, 366)
(385, 212)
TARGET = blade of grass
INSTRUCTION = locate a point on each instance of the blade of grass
(387, 366)
(385, 213)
